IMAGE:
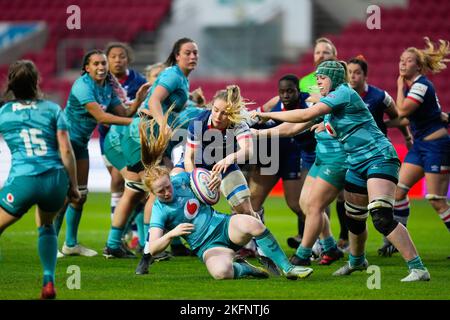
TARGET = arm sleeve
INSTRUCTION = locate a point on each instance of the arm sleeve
(61, 121)
(158, 219)
(83, 92)
(387, 100)
(336, 99)
(417, 92)
(194, 133)
(169, 81)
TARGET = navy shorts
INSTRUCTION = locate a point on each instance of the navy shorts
(433, 156)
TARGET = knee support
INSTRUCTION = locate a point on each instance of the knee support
(382, 212)
(355, 218)
(234, 187)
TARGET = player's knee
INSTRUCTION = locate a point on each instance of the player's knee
(401, 192)
(382, 212)
(222, 272)
(355, 217)
(84, 193)
(234, 187)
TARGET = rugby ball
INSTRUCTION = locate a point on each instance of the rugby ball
(199, 185)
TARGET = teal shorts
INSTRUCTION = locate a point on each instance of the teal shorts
(376, 167)
(81, 151)
(334, 174)
(218, 238)
(48, 190)
(131, 147)
(114, 153)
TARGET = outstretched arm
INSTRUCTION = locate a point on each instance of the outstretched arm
(160, 241)
(298, 115)
(286, 129)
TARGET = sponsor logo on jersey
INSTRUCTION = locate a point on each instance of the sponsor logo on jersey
(10, 198)
(191, 208)
(330, 129)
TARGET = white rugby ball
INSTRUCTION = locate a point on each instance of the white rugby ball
(199, 185)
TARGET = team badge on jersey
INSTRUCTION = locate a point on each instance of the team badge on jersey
(330, 129)
(10, 198)
(191, 208)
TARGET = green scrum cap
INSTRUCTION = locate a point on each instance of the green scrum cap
(333, 70)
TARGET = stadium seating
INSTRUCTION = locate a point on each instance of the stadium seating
(113, 19)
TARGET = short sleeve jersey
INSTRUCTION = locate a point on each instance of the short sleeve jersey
(29, 130)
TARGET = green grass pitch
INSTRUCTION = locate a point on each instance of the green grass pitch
(187, 277)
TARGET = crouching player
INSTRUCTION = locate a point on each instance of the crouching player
(212, 236)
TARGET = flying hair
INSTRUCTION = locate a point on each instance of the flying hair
(432, 58)
(154, 143)
(236, 104)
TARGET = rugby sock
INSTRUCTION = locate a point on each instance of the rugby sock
(115, 197)
(328, 243)
(415, 263)
(272, 250)
(356, 260)
(242, 270)
(140, 228)
(303, 253)
(340, 209)
(73, 217)
(401, 211)
(58, 221)
(445, 217)
(114, 238)
(145, 235)
(47, 248)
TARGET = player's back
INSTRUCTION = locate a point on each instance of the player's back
(29, 129)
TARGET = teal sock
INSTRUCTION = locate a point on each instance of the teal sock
(146, 228)
(47, 248)
(73, 217)
(176, 241)
(328, 243)
(356, 260)
(271, 249)
(140, 228)
(416, 263)
(114, 238)
(303, 253)
(241, 270)
(58, 221)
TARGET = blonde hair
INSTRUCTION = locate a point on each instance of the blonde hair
(431, 59)
(236, 104)
(153, 147)
(148, 69)
(328, 41)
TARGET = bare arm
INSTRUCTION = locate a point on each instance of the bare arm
(245, 152)
(68, 159)
(269, 105)
(298, 115)
(189, 158)
(404, 106)
(286, 129)
(399, 122)
(160, 241)
(154, 103)
(105, 117)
